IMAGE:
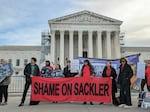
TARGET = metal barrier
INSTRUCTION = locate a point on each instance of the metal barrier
(17, 84)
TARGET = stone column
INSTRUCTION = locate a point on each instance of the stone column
(62, 48)
(90, 44)
(80, 44)
(52, 52)
(108, 40)
(99, 44)
(71, 53)
(117, 45)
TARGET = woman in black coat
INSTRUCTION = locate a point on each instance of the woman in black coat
(124, 78)
(109, 71)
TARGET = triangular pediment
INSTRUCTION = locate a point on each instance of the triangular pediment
(85, 17)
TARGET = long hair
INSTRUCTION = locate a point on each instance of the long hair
(48, 63)
(90, 65)
(123, 59)
(59, 66)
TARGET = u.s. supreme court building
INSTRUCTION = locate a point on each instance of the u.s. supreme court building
(84, 34)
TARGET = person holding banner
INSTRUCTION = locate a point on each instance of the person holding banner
(6, 70)
(67, 70)
(147, 75)
(87, 71)
(57, 73)
(30, 70)
(109, 71)
(47, 69)
(124, 78)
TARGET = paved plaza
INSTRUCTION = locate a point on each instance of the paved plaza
(65, 107)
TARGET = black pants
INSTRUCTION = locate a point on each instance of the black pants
(26, 87)
(143, 83)
(125, 95)
(113, 96)
(3, 92)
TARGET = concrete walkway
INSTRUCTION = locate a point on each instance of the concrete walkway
(65, 107)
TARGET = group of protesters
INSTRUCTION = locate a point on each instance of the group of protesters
(87, 71)
(123, 79)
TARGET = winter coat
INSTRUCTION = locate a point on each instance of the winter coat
(8, 71)
(67, 72)
(112, 74)
(27, 72)
(57, 73)
(46, 71)
(125, 75)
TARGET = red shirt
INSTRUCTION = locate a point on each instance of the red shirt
(51, 68)
(147, 74)
(86, 71)
(108, 72)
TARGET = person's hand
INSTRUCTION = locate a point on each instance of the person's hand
(31, 75)
(77, 71)
(111, 77)
(92, 76)
(77, 76)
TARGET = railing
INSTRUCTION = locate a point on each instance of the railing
(17, 85)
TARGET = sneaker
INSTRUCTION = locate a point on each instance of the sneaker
(91, 103)
(127, 106)
(84, 103)
(121, 105)
(5, 103)
(21, 104)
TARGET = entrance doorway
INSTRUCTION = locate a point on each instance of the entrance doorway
(85, 54)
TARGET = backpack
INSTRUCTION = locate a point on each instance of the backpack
(46, 72)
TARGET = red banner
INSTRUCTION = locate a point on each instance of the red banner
(71, 89)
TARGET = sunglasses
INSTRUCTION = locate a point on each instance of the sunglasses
(122, 61)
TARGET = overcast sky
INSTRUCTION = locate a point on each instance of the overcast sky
(21, 21)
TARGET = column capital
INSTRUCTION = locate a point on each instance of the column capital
(71, 31)
(117, 32)
(99, 31)
(53, 31)
(108, 31)
(80, 31)
(61, 31)
(90, 31)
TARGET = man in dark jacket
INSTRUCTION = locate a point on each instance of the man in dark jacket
(67, 70)
(30, 70)
(125, 75)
